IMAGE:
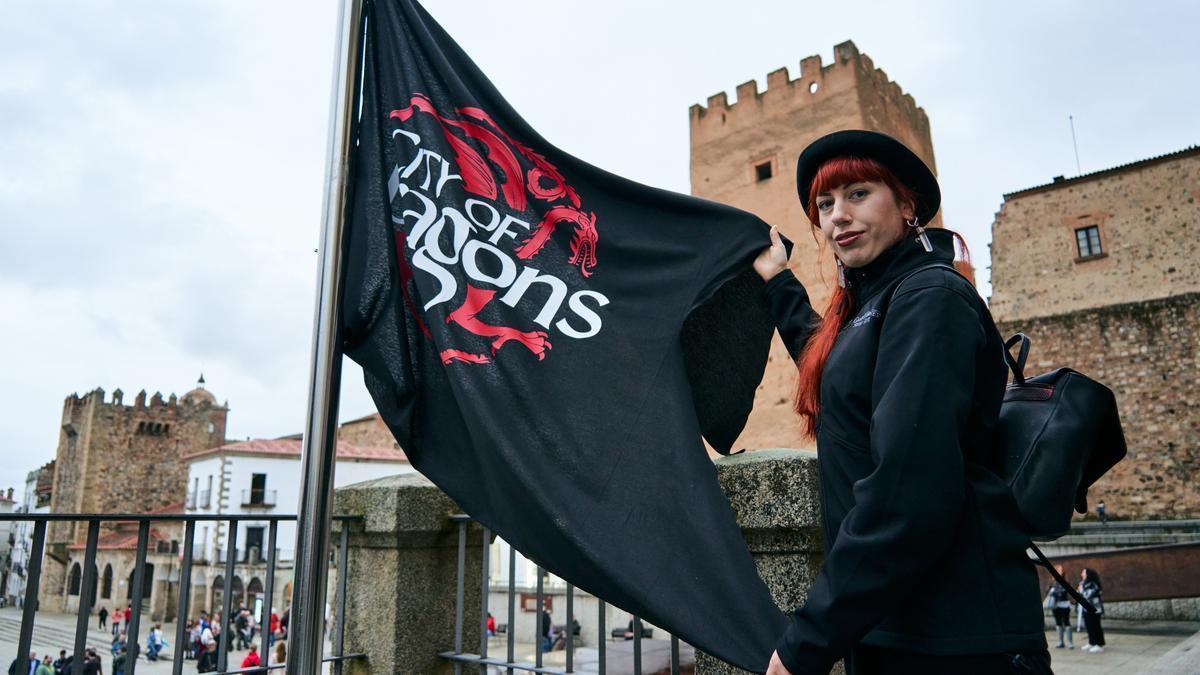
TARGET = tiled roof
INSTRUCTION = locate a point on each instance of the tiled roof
(1060, 182)
(123, 540)
(288, 447)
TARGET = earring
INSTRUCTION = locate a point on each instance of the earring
(841, 270)
(922, 238)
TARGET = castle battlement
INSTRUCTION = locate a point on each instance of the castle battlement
(816, 83)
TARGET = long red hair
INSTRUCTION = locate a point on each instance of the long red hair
(811, 364)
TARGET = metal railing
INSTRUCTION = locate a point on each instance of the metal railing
(191, 500)
(189, 548)
(254, 497)
(482, 660)
(205, 500)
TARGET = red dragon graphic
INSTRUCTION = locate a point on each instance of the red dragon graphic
(542, 182)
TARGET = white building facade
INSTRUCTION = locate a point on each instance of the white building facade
(22, 535)
(260, 478)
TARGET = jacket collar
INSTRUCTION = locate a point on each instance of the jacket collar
(903, 257)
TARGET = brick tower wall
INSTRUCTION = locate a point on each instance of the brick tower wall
(728, 142)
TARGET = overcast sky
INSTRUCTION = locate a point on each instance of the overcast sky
(161, 162)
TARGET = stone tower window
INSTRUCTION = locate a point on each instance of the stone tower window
(762, 171)
(1087, 240)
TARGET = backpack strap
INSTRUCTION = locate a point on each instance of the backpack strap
(1042, 561)
(1017, 366)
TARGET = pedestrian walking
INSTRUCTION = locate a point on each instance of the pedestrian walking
(1059, 602)
(1090, 588)
(1102, 512)
(103, 615)
(900, 384)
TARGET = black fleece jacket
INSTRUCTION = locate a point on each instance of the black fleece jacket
(924, 548)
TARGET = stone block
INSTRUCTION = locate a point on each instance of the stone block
(402, 567)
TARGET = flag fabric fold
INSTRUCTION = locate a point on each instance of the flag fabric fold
(549, 342)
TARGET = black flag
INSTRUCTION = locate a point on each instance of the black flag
(548, 342)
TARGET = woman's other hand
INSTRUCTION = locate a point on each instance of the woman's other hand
(772, 260)
(776, 666)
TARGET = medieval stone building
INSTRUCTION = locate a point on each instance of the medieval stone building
(744, 154)
(117, 458)
(1102, 271)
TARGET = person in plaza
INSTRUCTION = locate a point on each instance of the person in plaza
(103, 616)
(206, 659)
(1059, 602)
(241, 624)
(900, 384)
(251, 660)
(91, 663)
(45, 667)
(1090, 588)
(1102, 512)
(118, 643)
(118, 664)
(491, 625)
(63, 663)
(280, 653)
(155, 642)
(128, 615)
(32, 668)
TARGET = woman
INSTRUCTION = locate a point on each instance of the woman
(900, 383)
(280, 655)
(1089, 588)
(1059, 602)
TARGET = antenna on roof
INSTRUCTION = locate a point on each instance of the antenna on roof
(1078, 171)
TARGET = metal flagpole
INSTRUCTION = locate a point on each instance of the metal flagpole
(307, 622)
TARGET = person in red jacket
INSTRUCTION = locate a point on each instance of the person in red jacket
(252, 659)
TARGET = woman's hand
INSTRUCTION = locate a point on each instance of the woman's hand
(776, 666)
(773, 259)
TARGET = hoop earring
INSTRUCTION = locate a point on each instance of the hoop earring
(922, 238)
(841, 270)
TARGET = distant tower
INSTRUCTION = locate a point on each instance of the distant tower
(116, 458)
(745, 154)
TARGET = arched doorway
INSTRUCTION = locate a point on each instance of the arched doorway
(147, 585)
(75, 581)
(239, 593)
(218, 593)
(255, 600)
(106, 583)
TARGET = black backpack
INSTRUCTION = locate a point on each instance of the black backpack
(1058, 434)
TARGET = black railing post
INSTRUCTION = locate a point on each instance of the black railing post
(511, 630)
(135, 618)
(674, 655)
(570, 643)
(459, 603)
(340, 632)
(185, 596)
(483, 601)
(272, 536)
(227, 595)
(89, 585)
(541, 621)
(601, 638)
(32, 582)
(637, 646)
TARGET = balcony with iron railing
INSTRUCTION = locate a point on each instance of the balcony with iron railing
(191, 500)
(205, 499)
(258, 498)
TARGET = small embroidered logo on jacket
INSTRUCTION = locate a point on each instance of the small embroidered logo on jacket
(864, 318)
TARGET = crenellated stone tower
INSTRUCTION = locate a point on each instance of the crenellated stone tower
(117, 458)
(744, 154)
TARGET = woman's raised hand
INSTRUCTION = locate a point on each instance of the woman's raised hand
(773, 259)
(776, 667)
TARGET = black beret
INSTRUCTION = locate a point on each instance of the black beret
(882, 148)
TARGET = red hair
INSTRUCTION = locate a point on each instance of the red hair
(811, 363)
